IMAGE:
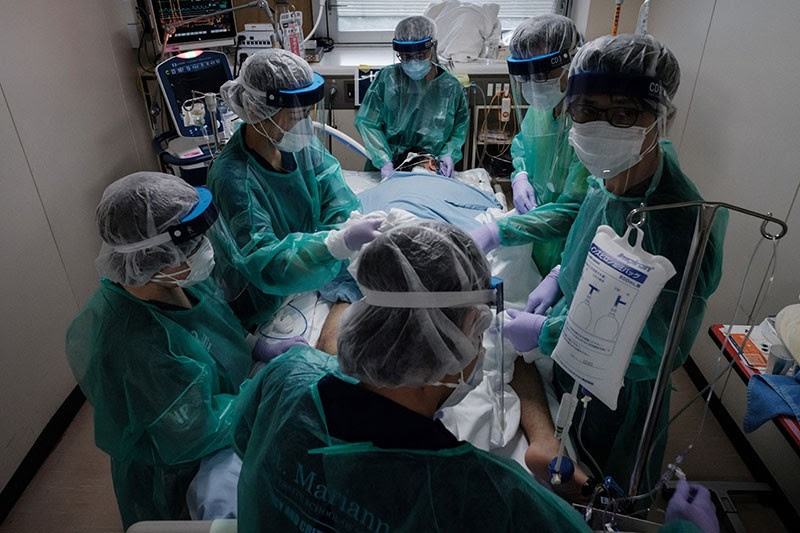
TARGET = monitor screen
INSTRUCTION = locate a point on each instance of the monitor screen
(196, 34)
(184, 80)
(203, 76)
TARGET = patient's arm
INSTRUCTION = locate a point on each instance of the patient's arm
(330, 329)
(537, 425)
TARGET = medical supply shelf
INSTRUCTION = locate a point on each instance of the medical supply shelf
(789, 427)
(771, 452)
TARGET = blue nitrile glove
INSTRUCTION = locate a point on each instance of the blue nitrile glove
(692, 502)
(267, 351)
(524, 197)
(446, 166)
(545, 294)
(360, 233)
(387, 169)
(486, 236)
(523, 329)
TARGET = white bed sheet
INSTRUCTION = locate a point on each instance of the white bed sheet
(359, 181)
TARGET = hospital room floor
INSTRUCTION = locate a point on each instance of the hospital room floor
(73, 492)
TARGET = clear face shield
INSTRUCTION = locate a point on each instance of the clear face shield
(538, 87)
(297, 129)
(204, 221)
(201, 240)
(617, 121)
(416, 57)
(540, 82)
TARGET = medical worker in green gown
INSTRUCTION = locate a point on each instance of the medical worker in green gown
(281, 193)
(354, 443)
(414, 103)
(548, 182)
(157, 353)
(619, 96)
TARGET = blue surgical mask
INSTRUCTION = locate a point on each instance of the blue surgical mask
(416, 69)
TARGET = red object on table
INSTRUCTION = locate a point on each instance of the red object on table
(790, 427)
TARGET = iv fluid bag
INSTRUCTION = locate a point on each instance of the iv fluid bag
(617, 290)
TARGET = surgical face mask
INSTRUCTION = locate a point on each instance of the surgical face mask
(295, 139)
(200, 264)
(465, 385)
(544, 95)
(607, 150)
(416, 69)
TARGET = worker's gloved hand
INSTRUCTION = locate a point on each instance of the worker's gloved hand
(523, 329)
(545, 294)
(355, 233)
(524, 197)
(361, 232)
(486, 236)
(267, 351)
(446, 166)
(692, 502)
(387, 169)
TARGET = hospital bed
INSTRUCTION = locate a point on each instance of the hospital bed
(477, 419)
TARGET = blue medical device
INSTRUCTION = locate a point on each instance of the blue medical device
(184, 79)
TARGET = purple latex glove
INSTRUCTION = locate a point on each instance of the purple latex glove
(446, 166)
(545, 294)
(523, 329)
(692, 502)
(387, 169)
(360, 233)
(267, 351)
(486, 236)
(524, 197)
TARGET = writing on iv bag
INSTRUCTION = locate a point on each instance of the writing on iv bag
(619, 285)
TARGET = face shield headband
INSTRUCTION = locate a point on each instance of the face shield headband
(410, 47)
(538, 67)
(436, 300)
(305, 96)
(193, 225)
(643, 87)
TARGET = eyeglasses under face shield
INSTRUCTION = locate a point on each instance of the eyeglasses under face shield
(413, 50)
(645, 89)
(537, 69)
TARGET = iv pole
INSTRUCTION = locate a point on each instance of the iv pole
(705, 218)
(172, 27)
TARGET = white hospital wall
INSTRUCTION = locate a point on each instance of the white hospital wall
(736, 132)
(736, 126)
(71, 121)
(596, 17)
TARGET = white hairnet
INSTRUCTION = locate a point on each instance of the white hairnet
(545, 34)
(391, 347)
(133, 209)
(415, 28)
(267, 70)
(632, 55)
